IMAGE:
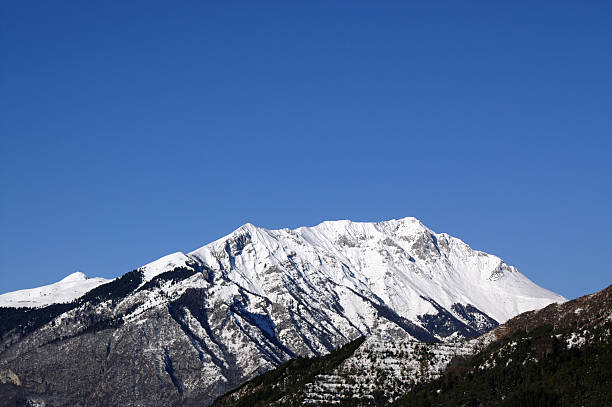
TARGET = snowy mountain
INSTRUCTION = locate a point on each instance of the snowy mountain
(65, 290)
(206, 321)
(401, 262)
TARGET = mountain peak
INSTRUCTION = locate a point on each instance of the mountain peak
(398, 261)
(161, 265)
(76, 276)
(248, 227)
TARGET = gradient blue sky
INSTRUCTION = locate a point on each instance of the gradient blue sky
(129, 131)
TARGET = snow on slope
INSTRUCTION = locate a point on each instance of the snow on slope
(65, 290)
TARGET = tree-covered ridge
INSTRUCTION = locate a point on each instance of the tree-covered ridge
(560, 355)
(542, 367)
(175, 275)
(23, 321)
(281, 386)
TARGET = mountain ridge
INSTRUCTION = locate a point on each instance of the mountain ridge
(180, 259)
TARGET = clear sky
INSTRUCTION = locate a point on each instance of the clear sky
(130, 131)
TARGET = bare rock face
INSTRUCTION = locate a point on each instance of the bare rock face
(187, 328)
(10, 389)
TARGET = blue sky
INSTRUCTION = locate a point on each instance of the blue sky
(130, 131)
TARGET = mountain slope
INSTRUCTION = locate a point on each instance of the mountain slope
(188, 327)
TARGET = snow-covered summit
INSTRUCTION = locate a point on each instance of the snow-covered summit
(67, 289)
(76, 276)
(400, 261)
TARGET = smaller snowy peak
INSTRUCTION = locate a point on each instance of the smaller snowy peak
(164, 264)
(77, 276)
(67, 289)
